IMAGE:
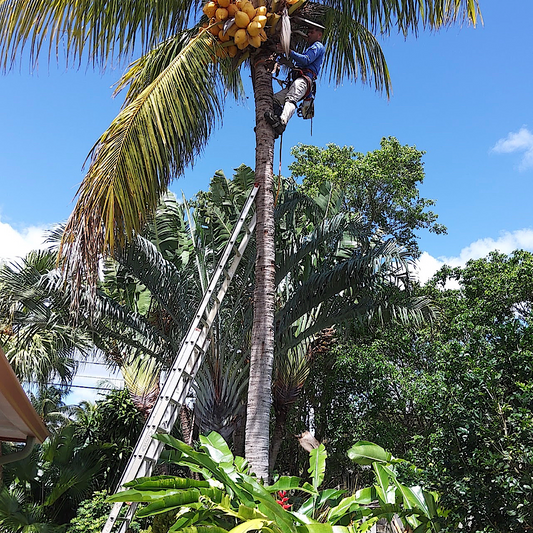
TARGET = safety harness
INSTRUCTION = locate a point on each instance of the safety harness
(306, 109)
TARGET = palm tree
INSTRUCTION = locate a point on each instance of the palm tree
(175, 97)
(38, 340)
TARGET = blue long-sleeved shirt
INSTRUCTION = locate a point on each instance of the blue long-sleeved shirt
(312, 57)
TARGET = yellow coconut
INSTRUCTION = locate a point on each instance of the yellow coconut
(223, 38)
(249, 9)
(240, 3)
(221, 14)
(232, 9)
(263, 35)
(240, 37)
(210, 9)
(273, 19)
(261, 19)
(224, 3)
(253, 28)
(232, 50)
(261, 10)
(232, 30)
(254, 41)
(214, 28)
(242, 19)
(221, 52)
(243, 45)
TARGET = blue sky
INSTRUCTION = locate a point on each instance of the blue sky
(463, 95)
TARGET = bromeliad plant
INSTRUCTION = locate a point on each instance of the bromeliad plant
(230, 499)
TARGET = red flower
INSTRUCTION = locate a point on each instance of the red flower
(283, 499)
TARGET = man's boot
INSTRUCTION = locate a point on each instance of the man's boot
(275, 122)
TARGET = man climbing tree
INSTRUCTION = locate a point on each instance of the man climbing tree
(303, 81)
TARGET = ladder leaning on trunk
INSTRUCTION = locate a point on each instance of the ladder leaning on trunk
(183, 370)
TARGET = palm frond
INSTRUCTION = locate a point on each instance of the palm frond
(171, 232)
(120, 332)
(149, 143)
(98, 32)
(331, 230)
(407, 16)
(220, 388)
(34, 321)
(362, 270)
(175, 290)
(353, 52)
(145, 70)
(141, 377)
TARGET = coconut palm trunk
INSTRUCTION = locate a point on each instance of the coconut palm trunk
(262, 349)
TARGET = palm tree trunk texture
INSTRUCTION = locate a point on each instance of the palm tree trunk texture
(286, 392)
(262, 349)
(279, 431)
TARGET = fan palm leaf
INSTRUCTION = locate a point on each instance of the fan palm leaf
(173, 289)
(34, 321)
(220, 390)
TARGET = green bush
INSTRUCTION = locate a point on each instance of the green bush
(92, 515)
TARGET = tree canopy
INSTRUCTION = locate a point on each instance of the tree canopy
(381, 186)
(454, 397)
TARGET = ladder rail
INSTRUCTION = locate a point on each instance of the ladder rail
(184, 368)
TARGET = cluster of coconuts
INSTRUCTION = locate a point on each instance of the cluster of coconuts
(237, 24)
(247, 27)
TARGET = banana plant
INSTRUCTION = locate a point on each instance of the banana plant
(230, 499)
(414, 505)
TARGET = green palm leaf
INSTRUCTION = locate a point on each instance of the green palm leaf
(353, 52)
(172, 288)
(150, 142)
(145, 70)
(98, 32)
(407, 16)
(34, 321)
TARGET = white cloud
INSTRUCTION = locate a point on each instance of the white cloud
(15, 244)
(520, 141)
(522, 239)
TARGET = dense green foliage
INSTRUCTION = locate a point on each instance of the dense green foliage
(456, 398)
(380, 186)
(87, 453)
(230, 499)
(92, 515)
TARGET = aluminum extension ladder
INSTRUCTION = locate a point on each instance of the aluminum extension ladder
(183, 371)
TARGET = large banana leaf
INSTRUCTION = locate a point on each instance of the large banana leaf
(366, 453)
(317, 465)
